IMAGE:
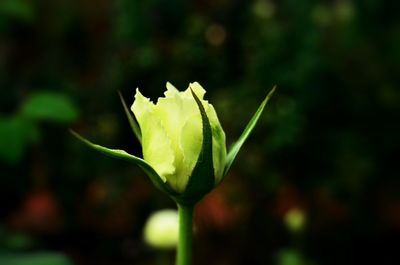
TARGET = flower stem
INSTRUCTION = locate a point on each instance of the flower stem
(184, 250)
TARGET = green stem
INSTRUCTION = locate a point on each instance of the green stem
(184, 250)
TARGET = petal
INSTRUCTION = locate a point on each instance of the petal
(174, 111)
(171, 90)
(191, 142)
(157, 149)
(182, 120)
(197, 89)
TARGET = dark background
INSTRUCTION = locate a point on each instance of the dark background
(327, 145)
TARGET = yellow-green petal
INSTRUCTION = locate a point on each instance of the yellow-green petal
(191, 142)
(174, 111)
(157, 149)
(171, 90)
(197, 89)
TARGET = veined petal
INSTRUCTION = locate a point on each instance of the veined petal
(191, 133)
(197, 89)
(191, 142)
(157, 148)
(174, 111)
(171, 90)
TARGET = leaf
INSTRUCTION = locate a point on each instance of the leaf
(202, 179)
(135, 127)
(15, 241)
(41, 258)
(49, 106)
(19, 9)
(121, 154)
(15, 136)
(246, 133)
(290, 257)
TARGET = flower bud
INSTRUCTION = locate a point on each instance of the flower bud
(172, 134)
(183, 143)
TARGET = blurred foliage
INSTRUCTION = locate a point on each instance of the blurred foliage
(328, 143)
(291, 257)
(22, 129)
(34, 259)
(49, 107)
(12, 241)
(15, 135)
(21, 10)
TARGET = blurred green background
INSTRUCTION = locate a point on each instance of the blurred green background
(317, 182)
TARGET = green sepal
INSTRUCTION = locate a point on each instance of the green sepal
(202, 179)
(132, 122)
(121, 154)
(246, 133)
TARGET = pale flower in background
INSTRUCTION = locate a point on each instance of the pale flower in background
(161, 229)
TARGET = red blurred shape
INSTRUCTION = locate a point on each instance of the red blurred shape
(39, 213)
